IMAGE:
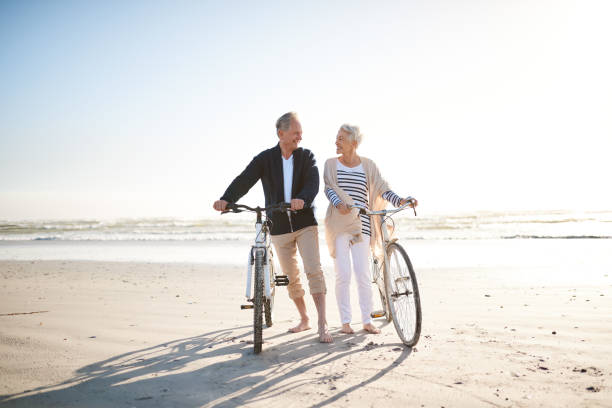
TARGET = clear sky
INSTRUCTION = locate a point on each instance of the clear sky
(150, 108)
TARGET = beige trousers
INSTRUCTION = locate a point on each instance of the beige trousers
(306, 241)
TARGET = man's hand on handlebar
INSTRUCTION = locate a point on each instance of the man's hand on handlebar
(220, 205)
(297, 204)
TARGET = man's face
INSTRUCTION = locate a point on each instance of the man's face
(290, 138)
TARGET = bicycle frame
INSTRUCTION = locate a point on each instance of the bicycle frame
(261, 244)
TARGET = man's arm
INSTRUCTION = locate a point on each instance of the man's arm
(245, 180)
(311, 183)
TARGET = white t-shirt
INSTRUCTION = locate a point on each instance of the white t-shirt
(288, 177)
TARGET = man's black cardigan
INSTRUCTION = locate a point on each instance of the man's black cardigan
(268, 166)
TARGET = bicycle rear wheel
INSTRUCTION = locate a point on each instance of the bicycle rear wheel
(269, 303)
(258, 300)
(403, 295)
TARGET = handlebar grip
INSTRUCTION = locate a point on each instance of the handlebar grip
(230, 207)
(287, 207)
(280, 207)
(306, 205)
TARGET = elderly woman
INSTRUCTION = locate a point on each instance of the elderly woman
(353, 180)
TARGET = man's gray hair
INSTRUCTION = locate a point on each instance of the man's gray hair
(354, 132)
(284, 122)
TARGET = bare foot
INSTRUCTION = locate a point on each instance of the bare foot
(370, 328)
(346, 328)
(300, 327)
(324, 336)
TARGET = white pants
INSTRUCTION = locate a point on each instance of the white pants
(360, 253)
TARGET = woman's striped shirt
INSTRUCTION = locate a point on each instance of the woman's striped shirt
(353, 181)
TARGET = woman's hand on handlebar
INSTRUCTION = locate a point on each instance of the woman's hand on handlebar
(343, 208)
(413, 202)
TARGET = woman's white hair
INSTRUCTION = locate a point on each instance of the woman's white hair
(354, 133)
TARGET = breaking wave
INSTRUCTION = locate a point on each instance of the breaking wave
(481, 225)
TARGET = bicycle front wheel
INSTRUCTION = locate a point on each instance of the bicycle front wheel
(258, 301)
(403, 295)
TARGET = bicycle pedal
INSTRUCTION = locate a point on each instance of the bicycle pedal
(281, 280)
(246, 307)
(377, 313)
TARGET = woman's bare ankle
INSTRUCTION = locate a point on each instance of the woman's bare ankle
(346, 328)
(370, 328)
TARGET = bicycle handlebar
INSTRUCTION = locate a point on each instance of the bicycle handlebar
(236, 208)
(364, 211)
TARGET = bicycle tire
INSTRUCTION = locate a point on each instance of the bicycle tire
(403, 295)
(258, 300)
(269, 303)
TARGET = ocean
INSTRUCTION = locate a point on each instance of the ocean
(540, 246)
(481, 225)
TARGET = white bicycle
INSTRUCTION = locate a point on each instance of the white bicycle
(396, 281)
(260, 290)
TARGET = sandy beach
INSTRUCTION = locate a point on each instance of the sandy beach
(133, 334)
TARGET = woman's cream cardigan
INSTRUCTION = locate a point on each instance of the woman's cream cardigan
(336, 223)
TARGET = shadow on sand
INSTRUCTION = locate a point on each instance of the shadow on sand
(214, 369)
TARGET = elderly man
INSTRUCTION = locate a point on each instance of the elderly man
(289, 174)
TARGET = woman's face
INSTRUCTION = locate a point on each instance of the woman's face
(343, 144)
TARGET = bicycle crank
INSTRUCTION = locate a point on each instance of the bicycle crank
(281, 280)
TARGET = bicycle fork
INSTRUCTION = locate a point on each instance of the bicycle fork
(260, 245)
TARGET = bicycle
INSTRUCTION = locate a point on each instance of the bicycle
(396, 282)
(266, 280)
